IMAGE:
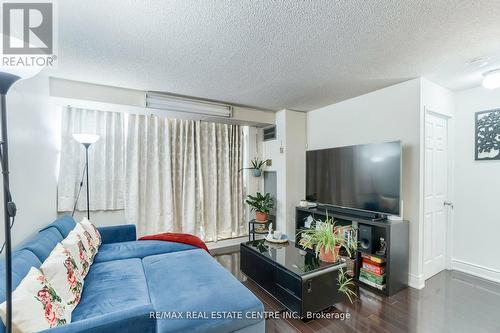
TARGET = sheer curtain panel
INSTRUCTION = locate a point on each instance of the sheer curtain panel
(106, 160)
(183, 176)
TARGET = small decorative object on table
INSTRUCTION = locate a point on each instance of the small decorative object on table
(277, 237)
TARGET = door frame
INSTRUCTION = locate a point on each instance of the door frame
(450, 212)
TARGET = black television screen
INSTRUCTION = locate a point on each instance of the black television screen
(366, 177)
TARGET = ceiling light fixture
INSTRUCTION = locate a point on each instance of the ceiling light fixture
(491, 79)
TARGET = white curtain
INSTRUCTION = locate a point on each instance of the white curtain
(183, 176)
(106, 157)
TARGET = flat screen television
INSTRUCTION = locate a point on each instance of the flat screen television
(364, 177)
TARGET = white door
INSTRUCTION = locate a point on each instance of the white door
(435, 194)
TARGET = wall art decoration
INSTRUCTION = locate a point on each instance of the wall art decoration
(488, 135)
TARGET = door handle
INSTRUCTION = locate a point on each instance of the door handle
(448, 203)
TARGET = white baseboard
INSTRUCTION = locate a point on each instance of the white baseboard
(486, 273)
(416, 281)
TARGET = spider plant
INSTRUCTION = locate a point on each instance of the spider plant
(351, 244)
(346, 285)
(324, 238)
(257, 166)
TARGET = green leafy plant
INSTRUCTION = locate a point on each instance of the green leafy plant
(257, 164)
(346, 285)
(351, 244)
(260, 203)
(322, 237)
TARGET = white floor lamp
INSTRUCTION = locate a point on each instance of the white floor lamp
(86, 140)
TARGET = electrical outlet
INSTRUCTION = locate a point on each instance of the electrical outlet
(269, 162)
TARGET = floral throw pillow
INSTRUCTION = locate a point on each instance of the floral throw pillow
(96, 236)
(87, 241)
(36, 305)
(74, 244)
(61, 270)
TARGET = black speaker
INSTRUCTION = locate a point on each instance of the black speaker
(366, 238)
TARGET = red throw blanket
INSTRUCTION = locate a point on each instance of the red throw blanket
(178, 238)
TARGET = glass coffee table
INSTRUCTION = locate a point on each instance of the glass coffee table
(296, 278)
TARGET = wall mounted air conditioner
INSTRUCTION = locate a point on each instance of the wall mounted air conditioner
(188, 105)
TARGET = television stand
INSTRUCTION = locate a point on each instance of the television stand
(395, 235)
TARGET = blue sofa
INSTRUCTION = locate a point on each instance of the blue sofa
(145, 286)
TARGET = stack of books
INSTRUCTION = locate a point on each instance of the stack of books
(372, 271)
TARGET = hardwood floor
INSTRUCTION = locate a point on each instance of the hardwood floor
(450, 302)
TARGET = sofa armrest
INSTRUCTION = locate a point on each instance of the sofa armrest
(132, 320)
(118, 233)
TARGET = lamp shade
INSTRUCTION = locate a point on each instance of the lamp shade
(86, 138)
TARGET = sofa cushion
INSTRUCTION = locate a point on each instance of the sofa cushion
(197, 283)
(74, 244)
(87, 241)
(92, 230)
(43, 242)
(63, 224)
(62, 272)
(137, 249)
(22, 261)
(36, 305)
(112, 286)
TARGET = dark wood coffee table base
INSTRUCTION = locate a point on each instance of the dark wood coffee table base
(301, 294)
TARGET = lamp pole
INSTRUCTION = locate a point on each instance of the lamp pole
(87, 145)
(9, 207)
(86, 140)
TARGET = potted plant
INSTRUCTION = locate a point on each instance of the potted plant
(324, 238)
(261, 204)
(349, 249)
(256, 167)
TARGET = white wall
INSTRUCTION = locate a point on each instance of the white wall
(33, 156)
(274, 150)
(295, 153)
(287, 153)
(388, 114)
(476, 225)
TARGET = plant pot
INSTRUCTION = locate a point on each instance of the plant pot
(260, 216)
(257, 172)
(350, 264)
(330, 256)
